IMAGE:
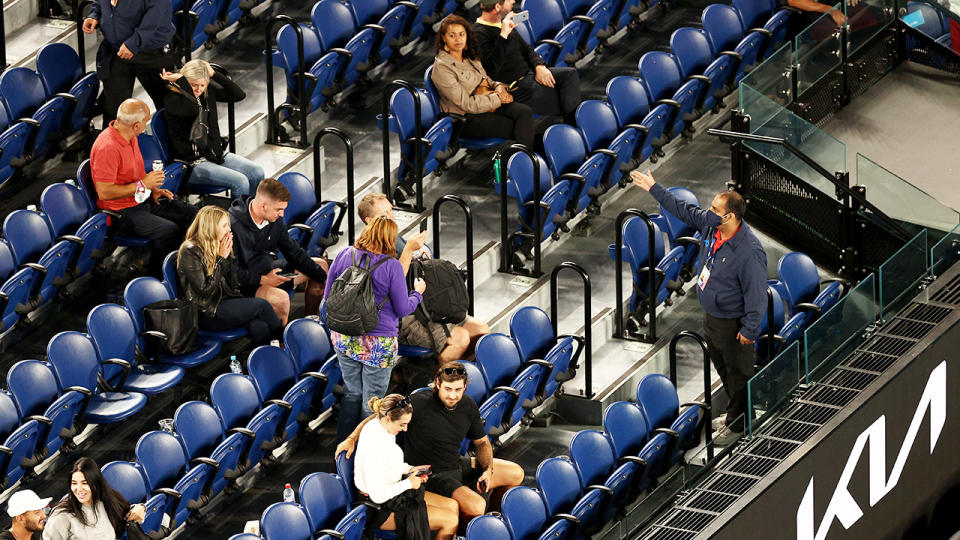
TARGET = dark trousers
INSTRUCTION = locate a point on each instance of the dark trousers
(254, 314)
(165, 223)
(561, 100)
(733, 361)
(144, 67)
(510, 121)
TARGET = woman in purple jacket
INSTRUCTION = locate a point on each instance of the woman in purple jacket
(366, 361)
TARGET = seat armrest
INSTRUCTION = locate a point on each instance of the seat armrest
(69, 97)
(40, 418)
(702, 405)
(118, 362)
(315, 375)
(170, 492)
(538, 362)
(568, 517)
(762, 31)
(508, 389)
(371, 504)
(205, 461)
(341, 51)
(606, 152)
(638, 127)
(658, 271)
(551, 42)
(5, 450)
(671, 102)
(79, 389)
(634, 459)
(601, 487)
(72, 238)
(807, 306)
(735, 55)
(376, 28)
(248, 433)
(112, 213)
(280, 403)
(701, 78)
(667, 431)
(844, 282)
(154, 334)
(29, 122)
(301, 227)
(578, 178)
(583, 19)
(36, 266)
(407, 3)
(687, 240)
(331, 533)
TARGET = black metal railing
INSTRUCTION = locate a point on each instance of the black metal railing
(507, 249)
(652, 285)
(78, 9)
(468, 217)
(587, 319)
(707, 387)
(417, 142)
(300, 109)
(231, 114)
(3, 45)
(318, 183)
(188, 23)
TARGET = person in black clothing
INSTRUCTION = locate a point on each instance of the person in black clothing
(194, 133)
(26, 511)
(136, 38)
(508, 58)
(259, 234)
(445, 416)
(207, 277)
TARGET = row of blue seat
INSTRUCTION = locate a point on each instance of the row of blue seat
(207, 18)
(40, 108)
(930, 21)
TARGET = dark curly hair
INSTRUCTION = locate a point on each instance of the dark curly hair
(445, 24)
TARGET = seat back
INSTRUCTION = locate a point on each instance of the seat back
(74, 359)
(592, 455)
(162, 457)
(169, 271)
(627, 428)
(142, 292)
(520, 175)
(753, 13)
(303, 198)
(158, 127)
(128, 479)
(272, 370)
(28, 234)
(65, 207)
(114, 335)
(22, 91)
(658, 399)
(532, 330)
(9, 417)
(312, 47)
(334, 23)
(403, 109)
(565, 149)
(661, 73)
(85, 183)
(32, 385)
(308, 343)
(677, 227)
(285, 520)
(597, 122)
(498, 359)
(476, 385)
(345, 472)
(488, 527)
(692, 50)
(494, 411)
(559, 484)
(59, 67)
(352, 525)
(546, 17)
(629, 99)
(7, 264)
(778, 315)
(636, 237)
(324, 500)
(798, 271)
(723, 26)
(524, 512)
(199, 428)
(235, 399)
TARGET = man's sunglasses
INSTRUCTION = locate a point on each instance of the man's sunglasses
(402, 403)
(448, 371)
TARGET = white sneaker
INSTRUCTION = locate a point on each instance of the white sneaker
(719, 422)
(726, 437)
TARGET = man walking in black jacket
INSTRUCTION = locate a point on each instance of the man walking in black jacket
(259, 236)
(507, 58)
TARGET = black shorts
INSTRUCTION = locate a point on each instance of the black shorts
(444, 483)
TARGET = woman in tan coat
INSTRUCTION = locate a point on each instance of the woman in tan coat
(465, 89)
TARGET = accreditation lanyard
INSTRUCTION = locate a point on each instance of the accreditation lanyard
(704, 276)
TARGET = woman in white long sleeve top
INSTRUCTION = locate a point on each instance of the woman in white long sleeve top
(380, 472)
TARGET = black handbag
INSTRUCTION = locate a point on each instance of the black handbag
(171, 326)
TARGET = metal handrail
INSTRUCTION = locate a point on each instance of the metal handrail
(707, 387)
(505, 248)
(78, 6)
(651, 336)
(317, 166)
(273, 120)
(231, 114)
(587, 330)
(417, 141)
(469, 231)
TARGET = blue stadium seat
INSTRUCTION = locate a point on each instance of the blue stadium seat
(766, 330)
(600, 12)
(349, 528)
(15, 143)
(666, 266)
(523, 510)
(763, 16)
(559, 483)
(627, 428)
(500, 362)
(726, 33)
(324, 500)
(85, 183)
(128, 479)
(683, 235)
(497, 409)
(314, 225)
(285, 521)
(598, 124)
(75, 364)
(665, 83)
(567, 154)
(325, 69)
(309, 345)
(630, 11)
(336, 29)
(695, 56)
(476, 385)
(32, 245)
(205, 441)
(16, 293)
(435, 133)
(167, 470)
(174, 173)
(660, 404)
(37, 397)
(276, 376)
(425, 17)
(22, 91)
(20, 438)
(554, 199)
(592, 455)
(488, 527)
(532, 331)
(631, 104)
(67, 212)
(802, 289)
(59, 68)
(144, 291)
(236, 401)
(569, 38)
(114, 335)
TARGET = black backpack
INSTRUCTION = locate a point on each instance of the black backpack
(352, 309)
(446, 299)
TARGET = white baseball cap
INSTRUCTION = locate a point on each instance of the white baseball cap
(25, 501)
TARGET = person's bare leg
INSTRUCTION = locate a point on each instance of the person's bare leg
(476, 329)
(455, 347)
(470, 502)
(506, 474)
(313, 293)
(279, 300)
(442, 519)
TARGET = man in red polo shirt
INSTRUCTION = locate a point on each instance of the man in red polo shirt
(118, 173)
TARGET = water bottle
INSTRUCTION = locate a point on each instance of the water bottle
(235, 364)
(288, 493)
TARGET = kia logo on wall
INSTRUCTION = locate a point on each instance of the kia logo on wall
(842, 505)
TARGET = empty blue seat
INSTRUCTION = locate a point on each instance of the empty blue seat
(661, 406)
(309, 345)
(32, 243)
(68, 214)
(335, 27)
(665, 83)
(592, 455)
(569, 39)
(20, 442)
(554, 199)
(351, 527)
(695, 56)
(598, 124)
(667, 267)
(324, 69)
(499, 361)
(523, 510)
(324, 500)
(567, 155)
(601, 12)
(22, 91)
(630, 11)
(128, 479)
(763, 16)
(205, 440)
(15, 141)
(682, 234)
(276, 376)
(315, 225)
(235, 399)
(476, 385)
(285, 521)
(488, 527)
(802, 285)
(496, 410)
(37, 397)
(533, 333)
(61, 72)
(559, 484)
(435, 134)
(631, 105)
(726, 33)
(167, 470)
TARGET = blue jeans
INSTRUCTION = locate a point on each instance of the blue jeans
(237, 173)
(360, 383)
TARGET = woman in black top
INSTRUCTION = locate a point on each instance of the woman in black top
(193, 132)
(206, 275)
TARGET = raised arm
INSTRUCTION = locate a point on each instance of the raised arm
(692, 215)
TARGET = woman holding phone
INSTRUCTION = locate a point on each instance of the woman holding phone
(206, 276)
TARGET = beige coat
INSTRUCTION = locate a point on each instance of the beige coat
(456, 80)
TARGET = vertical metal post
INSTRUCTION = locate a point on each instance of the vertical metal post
(417, 141)
(506, 250)
(651, 335)
(771, 334)
(273, 122)
(231, 114)
(707, 394)
(468, 216)
(587, 319)
(318, 183)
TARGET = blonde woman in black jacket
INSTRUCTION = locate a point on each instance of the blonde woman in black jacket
(206, 275)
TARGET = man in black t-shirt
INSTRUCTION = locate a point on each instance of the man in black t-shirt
(507, 58)
(441, 420)
(26, 510)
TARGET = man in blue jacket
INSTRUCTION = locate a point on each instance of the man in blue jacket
(731, 286)
(136, 38)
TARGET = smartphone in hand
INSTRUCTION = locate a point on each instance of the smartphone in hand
(521, 17)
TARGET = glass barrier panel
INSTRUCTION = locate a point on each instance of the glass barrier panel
(769, 389)
(837, 332)
(865, 19)
(772, 79)
(902, 272)
(903, 201)
(818, 48)
(945, 252)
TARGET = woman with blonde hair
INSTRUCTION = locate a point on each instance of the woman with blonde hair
(380, 473)
(366, 361)
(207, 277)
(194, 133)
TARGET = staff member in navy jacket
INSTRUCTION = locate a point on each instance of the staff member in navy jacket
(731, 286)
(136, 34)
